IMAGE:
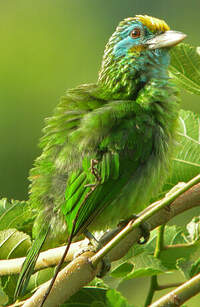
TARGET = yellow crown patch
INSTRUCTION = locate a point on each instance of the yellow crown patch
(154, 24)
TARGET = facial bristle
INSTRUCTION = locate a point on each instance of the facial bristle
(154, 24)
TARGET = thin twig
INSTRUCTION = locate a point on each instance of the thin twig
(68, 285)
(170, 285)
(154, 279)
(180, 295)
(153, 287)
(46, 259)
(142, 218)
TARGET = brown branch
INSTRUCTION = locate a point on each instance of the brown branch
(51, 257)
(46, 259)
(80, 271)
(70, 280)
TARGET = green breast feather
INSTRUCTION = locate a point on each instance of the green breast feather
(125, 138)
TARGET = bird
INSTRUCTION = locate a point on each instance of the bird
(106, 149)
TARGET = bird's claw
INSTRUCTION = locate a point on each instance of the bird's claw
(144, 228)
(105, 268)
(95, 245)
(145, 233)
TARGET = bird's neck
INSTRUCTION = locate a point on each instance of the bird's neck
(123, 78)
(145, 80)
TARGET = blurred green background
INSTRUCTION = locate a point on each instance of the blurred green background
(47, 46)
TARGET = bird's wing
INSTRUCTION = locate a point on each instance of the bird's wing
(115, 132)
(86, 195)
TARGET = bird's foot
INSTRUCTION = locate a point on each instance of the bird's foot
(91, 246)
(105, 268)
(92, 240)
(95, 245)
(144, 228)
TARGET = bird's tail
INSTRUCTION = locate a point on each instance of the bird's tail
(29, 263)
(70, 238)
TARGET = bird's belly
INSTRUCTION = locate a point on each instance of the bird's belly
(143, 184)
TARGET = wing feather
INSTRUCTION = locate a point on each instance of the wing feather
(85, 195)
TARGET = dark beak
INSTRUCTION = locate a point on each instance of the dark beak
(166, 39)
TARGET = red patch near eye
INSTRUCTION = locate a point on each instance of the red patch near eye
(135, 33)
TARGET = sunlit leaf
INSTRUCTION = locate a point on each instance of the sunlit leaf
(184, 251)
(193, 229)
(186, 158)
(3, 297)
(39, 278)
(189, 262)
(115, 299)
(15, 214)
(146, 265)
(185, 67)
(13, 243)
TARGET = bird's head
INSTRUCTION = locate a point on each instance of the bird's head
(136, 52)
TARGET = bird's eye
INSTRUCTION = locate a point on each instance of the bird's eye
(135, 33)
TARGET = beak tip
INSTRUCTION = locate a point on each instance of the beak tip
(184, 35)
(178, 39)
(167, 39)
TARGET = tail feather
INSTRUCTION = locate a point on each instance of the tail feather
(29, 263)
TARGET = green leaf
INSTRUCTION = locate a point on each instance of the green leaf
(183, 252)
(15, 214)
(185, 67)
(195, 268)
(39, 278)
(174, 235)
(115, 299)
(13, 243)
(193, 229)
(99, 283)
(3, 297)
(189, 263)
(145, 265)
(131, 265)
(171, 256)
(147, 248)
(8, 285)
(122, 270)
(88, 297)
(185, 267)
(187, 153)
(186, 158)
(97, 297)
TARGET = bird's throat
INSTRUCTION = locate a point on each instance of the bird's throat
(124, 77)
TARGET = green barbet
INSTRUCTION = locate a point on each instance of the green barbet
(107, 147)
